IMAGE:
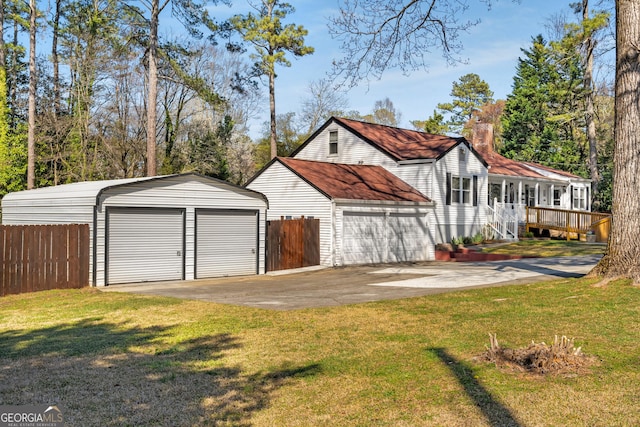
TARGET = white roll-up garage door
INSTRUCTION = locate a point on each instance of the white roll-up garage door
(408, 237)
(226, 243)
(363, 238)
(375, 237)
(144, 245)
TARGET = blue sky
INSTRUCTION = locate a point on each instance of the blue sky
(492, 48)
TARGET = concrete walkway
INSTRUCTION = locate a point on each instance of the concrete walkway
(348, 285)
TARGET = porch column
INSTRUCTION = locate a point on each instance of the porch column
(519, 202)
(552, 195)
(537, 194)
(502, 192)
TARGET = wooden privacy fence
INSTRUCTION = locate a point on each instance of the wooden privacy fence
(577, 222)
(41, 257)
(293, 243)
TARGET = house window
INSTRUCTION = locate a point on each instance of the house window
(460, 190)
(557, 193)
(530, 194)
(462, 156)
(580, 198)
(333, 142)
(495, 192)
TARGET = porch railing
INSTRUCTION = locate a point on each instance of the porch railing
(503, 222)
(577, 222)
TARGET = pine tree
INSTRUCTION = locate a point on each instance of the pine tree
(272, 40)
(542, 114)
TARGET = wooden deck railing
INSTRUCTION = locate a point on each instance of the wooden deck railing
(577, 222)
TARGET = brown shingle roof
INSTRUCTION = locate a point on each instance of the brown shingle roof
(402, 144)
(357, 182)
(500, 165)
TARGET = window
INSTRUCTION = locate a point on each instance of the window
(495, 192)
(460, 190)
(462, 156)
(580, 198)
(530, 194)
(333, 142)
(556, 196)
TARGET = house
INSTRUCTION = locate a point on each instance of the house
(515, 185)
(366, 213)
(448, 171)
(474, 189)
(175, 227)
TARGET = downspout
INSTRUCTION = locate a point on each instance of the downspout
(333, 233)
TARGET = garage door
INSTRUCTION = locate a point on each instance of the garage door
(144, 245)
(226, 243)
(408, 237)
(363, 238)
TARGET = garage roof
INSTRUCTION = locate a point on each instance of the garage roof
(86, 193)
(355, 182)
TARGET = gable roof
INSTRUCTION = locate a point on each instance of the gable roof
(89, 192)
(354, 182)
(399, 144)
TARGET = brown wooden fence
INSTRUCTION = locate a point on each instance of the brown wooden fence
(293, 243)
(41, 257)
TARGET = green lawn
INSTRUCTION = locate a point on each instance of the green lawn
(547, 248)
(110, 359)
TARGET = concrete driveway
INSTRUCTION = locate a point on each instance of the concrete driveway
(348, 285)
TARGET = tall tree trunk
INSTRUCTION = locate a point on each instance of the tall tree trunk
(54, 59)
(590, 111)
(272, 109)
(622, 259)
(153, 90)
(3, 54)
(31, 132)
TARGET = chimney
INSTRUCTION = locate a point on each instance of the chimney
(482, 138)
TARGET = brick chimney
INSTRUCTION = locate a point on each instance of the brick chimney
(482, 138)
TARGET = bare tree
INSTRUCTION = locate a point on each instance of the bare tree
(377, 35)
(323, 101)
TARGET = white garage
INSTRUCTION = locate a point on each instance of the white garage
(176, 227)
(367, 214)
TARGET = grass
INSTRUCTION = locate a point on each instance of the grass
(110, 359)
(547, 248)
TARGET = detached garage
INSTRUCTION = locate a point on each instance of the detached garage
(367, 214)
(176, 227)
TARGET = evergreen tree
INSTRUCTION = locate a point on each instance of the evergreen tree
(469, 94)
(434, 124)
(541, 119)
(272, 40)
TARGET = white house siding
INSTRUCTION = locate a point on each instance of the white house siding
(457, 220)
(374, 210)
(290, 195)
(351, 150)
(418, 175)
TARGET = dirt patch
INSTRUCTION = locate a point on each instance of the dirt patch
(559, 358)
